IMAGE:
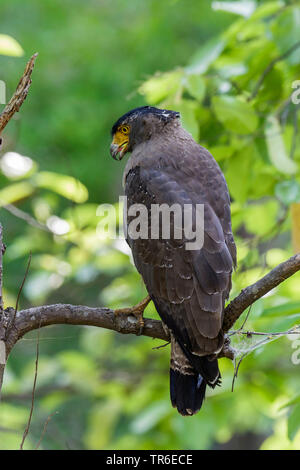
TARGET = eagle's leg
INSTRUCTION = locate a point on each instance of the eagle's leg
(137, 311)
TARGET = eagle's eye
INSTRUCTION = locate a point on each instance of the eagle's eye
(124, 129)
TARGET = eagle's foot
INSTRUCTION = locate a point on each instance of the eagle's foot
(137, 311)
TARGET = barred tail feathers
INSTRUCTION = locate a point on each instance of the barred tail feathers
(188, 379)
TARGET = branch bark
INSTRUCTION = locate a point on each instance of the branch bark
(35, 317)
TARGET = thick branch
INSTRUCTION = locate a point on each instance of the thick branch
(33, 318)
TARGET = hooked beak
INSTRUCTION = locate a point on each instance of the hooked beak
(118, 151)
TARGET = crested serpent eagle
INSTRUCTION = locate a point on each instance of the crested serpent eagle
(188, 286)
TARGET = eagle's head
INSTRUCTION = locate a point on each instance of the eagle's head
(137, 126)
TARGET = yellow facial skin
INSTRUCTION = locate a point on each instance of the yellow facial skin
(120, 142)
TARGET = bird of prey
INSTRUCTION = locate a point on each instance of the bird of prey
(188, 286)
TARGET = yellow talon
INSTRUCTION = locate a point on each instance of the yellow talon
(137, 311)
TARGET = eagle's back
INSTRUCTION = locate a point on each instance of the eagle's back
(188, 287)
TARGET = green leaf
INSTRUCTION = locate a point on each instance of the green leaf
(267, 9)
(102, 421)
(82, 215)
(286, 33)
(238, 172)
(221, 152)
(195, 85)
(263, 179)
(235, 114)
(276, 148)
(245, 8)
(228, 67)
(261, 218)
(255, 56)
(288, 192)
(293, 401)
(9, 46)
(205, 56)
(64, 185)
(294, 422)
(252, 30)
(15, 192)
(160, 86)
(149, 417)
(283, 310)
(272, 87)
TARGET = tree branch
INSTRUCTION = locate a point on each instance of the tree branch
(257, 290)
(19, 96)
(35, 317)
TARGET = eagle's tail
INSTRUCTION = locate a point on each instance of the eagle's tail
(188, 379)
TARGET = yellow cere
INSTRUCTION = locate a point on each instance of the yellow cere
(121, 136)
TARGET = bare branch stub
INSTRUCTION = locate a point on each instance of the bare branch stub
(19, 96)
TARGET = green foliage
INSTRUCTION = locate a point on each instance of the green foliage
(235, 114)
(103, 390)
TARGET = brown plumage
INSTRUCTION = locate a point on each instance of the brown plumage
(188, 287)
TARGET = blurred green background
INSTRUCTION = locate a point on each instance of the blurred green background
(98, 59)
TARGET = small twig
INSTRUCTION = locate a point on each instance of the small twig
(33, 390)
(18, 297)
(162, 345)
(236, 370)
(245, 321)
(257, 345)
(270, 67)
(270, 334)
(23, 282)
(24, 216)
(236, 367)
(45, 429)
